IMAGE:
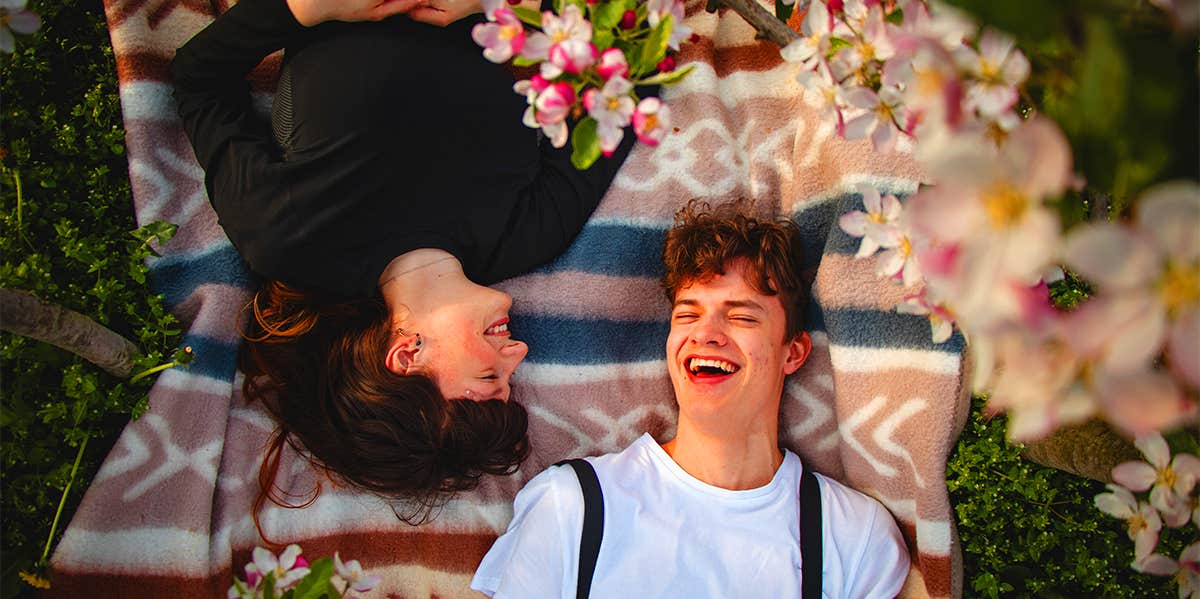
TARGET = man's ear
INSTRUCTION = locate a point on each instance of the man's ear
(797, 352)
(401, 357)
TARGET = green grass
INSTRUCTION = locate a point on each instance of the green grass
(1025, 530)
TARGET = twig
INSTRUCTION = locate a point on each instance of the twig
(26, 314)
(768, 27)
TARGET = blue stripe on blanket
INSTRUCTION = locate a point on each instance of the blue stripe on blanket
(613, 249)
(177, 276)
(211, 357)
(877, 329)
(562, 340)
(565, 340)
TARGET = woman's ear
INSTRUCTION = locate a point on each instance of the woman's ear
(797, 352)
(401, 357)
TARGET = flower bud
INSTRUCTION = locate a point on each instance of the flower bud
(666, 65)
(629, 19)
(694, 38)
(612, 62)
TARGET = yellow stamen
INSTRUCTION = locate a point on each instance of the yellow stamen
(1004, 205)
(1166, 477)
(613, 104)
(1179, 287)
(34, 580)
(651, 122)
(508, 32)
(905, 247)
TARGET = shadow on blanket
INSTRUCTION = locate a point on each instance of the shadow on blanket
(878, 405)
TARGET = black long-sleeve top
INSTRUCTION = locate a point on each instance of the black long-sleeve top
(395, 136)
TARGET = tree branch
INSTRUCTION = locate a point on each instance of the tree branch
(26, 314)
(768, 27)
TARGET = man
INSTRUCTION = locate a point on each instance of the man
(716, 511)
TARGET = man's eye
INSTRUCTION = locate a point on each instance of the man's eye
(684, 316)
(746, 319)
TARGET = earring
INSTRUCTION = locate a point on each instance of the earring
(468, 394)
(418, 335)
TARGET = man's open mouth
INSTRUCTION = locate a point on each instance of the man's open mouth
(711, 367)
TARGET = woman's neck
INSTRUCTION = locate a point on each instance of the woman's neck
(416, 280)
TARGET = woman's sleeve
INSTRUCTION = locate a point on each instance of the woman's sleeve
(233, 145)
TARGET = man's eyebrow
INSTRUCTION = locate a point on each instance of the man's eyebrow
(751, 304)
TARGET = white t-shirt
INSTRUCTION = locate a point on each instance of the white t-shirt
(667, 534)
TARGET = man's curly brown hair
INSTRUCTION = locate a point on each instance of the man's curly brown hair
(705, 239)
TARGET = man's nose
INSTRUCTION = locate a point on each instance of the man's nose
(709, 331)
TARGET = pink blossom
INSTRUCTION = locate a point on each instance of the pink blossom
(285, 568)
(1149, 278)
(988, 205)
(1141, 519)
(879, 120)
(877, 226)
(1035, 378)
(1172, 479)
(612, 63)
(549, 111)
(570, 56)
(1186, 570)
(15, 18)
(999, 69)
(824, 93)
(353, 574)
(500, 39)
(651, 121)
(613, 109)
(941, 321)
(812, 46)
(656, 10)
(555, 30)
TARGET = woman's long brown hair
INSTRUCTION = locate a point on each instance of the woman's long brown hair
(318, 367)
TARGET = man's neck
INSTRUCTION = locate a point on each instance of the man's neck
(735, 461)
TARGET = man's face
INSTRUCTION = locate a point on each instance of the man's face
(727, 355)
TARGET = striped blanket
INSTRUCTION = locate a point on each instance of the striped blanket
(877, 405)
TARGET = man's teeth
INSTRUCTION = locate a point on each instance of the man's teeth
(496, 330)
(697, 363)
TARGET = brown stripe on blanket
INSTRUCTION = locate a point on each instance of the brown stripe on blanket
(72, 585)
(855, 284)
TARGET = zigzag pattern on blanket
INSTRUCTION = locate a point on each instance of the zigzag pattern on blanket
(878, 405)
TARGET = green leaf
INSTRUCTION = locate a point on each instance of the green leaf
(268, 586)
(607, 15)
(1103, 77)
(783, 11)
(585, 143)
(316, 584)
(521, 61)
(653, 49)
(528, 16)
(668, 78)
(603, 40)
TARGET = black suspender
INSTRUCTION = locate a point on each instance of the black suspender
(811, 557)
(593, 530)
(593, 524)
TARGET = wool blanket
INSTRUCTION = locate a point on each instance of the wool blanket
(877, 406)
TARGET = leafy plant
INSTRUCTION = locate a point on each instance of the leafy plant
(66, 211)
(1033, 531)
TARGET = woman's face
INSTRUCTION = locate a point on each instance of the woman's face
(466, 347)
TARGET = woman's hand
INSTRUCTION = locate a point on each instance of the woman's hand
(312, 12)
(444, 12)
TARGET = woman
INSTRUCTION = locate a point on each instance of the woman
(394, 179)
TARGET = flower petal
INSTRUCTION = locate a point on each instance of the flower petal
(1111, 256)
(1171, 213)
(1183, 347)
(1135, 476)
